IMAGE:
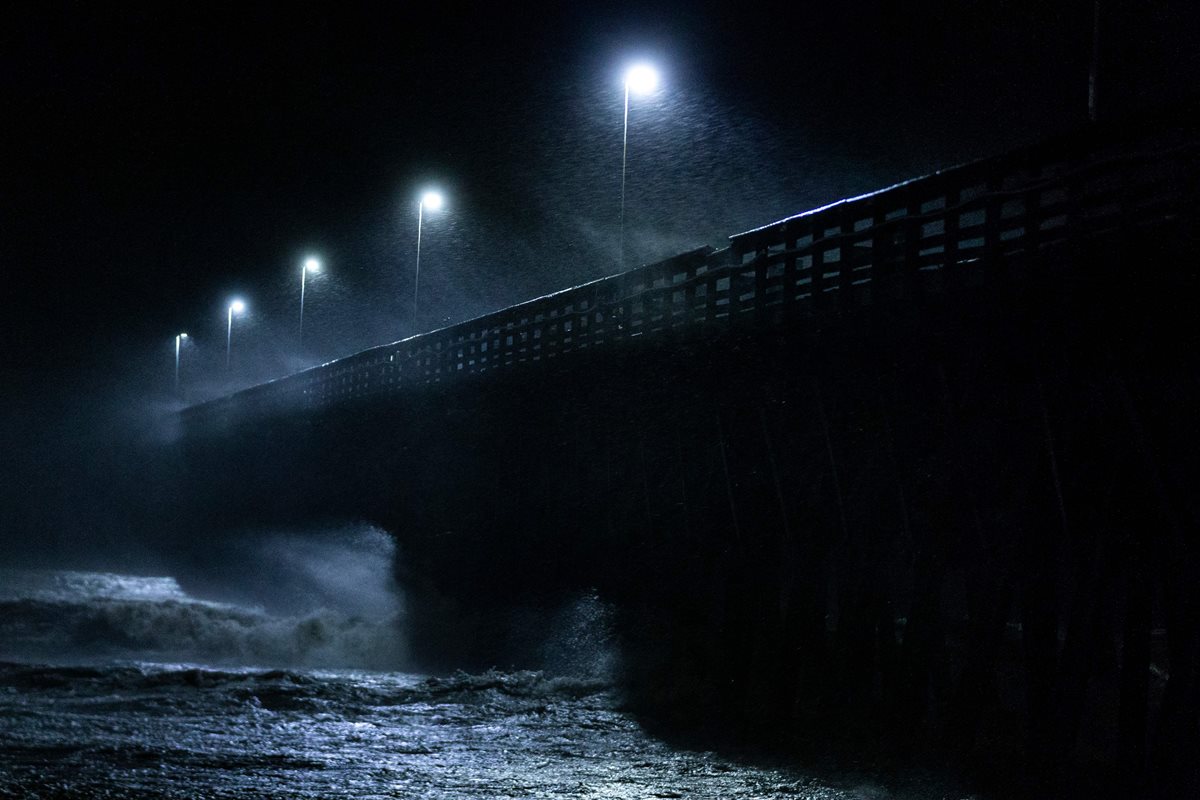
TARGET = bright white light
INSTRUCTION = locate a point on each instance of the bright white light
(641, 79)
(237, 306)
(183, 336)
(312, 265)
(432, 200)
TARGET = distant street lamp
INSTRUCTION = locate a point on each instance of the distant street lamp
(642, 79)
(432, 200)
(235, 307)
(310, 265)
(178, 340)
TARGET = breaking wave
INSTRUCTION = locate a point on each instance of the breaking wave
(295, 688)
(71, 616)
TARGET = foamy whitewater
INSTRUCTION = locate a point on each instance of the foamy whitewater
(116, 686)
(98, 616)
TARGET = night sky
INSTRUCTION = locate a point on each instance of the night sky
(159, 159)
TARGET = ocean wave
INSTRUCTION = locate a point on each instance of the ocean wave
(73, 586)
(279, 689)
(82, 616)
(473, 688)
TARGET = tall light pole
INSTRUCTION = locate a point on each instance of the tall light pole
(310, 265)
(641, 78)
(235, 307)
(434, 201)
(178, 340)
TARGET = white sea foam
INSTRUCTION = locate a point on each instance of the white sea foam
(74, 586)
(57, 616)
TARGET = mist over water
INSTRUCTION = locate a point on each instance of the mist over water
(347, 569)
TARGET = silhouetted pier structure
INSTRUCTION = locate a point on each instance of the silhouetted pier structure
(916, 467)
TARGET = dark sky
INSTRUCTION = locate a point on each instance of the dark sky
(157, 159)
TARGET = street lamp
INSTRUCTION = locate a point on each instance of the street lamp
(432, 200)
(310, 265)
(178, 340)
(641, 79)
(235, 307)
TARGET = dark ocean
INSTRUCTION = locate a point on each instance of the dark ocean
(118, 686)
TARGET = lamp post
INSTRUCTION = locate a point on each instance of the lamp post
(178, 341)
(235, 307)
(310, 265)
(434, 202)
(641, 78)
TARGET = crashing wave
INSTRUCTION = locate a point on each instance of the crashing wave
(57, 615)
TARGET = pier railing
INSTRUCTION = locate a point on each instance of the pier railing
(962, 226)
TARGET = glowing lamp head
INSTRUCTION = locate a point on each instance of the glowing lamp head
(432, 200)
(641, 79)
(237, 307)
(312, 265)
(183, 336)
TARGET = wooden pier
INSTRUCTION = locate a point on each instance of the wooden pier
(915, 468)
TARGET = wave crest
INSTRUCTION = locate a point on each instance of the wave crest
(162, 623)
